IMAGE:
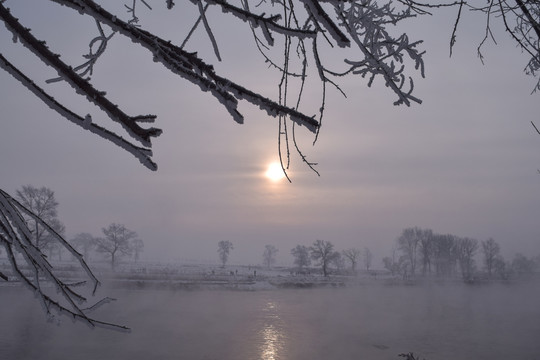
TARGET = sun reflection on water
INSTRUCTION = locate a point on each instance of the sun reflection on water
(271, 344)
(272, 336)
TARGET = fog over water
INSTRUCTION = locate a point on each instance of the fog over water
(376, 321)
(463, 163)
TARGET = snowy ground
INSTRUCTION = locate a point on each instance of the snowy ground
(196, 276)
(176, 276)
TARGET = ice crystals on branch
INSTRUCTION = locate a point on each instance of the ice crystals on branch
(347, 24)
(81, 86)
(88, 67)
(297, 31)
(384, 54)
(16, 239)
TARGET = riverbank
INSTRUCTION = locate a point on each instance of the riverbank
(170, 276)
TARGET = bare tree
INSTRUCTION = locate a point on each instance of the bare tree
(425, 249)
(523, 266)
(491, 250)
(116, 242)
(323, 252)
(137, 245)
(367, 257)
(501, 268)
(224, 248)
(466, 250)
(86, 242)
(353, 255)
(301, 256)
(408, 245)
(269, 255)
(390, 264)
(42, 203)
(62, 297)
(444, 254)
(338, 262)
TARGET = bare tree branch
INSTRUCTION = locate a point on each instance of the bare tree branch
(15, 237)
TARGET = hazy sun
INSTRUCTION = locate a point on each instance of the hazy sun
(274, 172)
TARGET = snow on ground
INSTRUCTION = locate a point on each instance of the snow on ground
(198, 276)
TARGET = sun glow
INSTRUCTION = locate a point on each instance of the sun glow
(274, 172)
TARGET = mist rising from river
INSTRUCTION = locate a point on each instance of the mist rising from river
(437, 322)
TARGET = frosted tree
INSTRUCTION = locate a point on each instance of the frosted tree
(408, 245)
(490, 250)
(86, 242)
(323, 252)
(338, 261)
(137, 246)
(269, 255)
(41, 202)
(466, 249)
(353, 256)
(523, 266)
(367, 256)
(301, 256)
(116, 243)
(224, 248)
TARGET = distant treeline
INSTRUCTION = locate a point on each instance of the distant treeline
(422, 252)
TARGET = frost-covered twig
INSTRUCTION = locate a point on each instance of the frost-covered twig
(267, 24)
(81, 85)
(383, 53)
(319, 15)
(362, 28)
(143, 154)
(88, 66)
(190, 67)
(525, 31)
(202, 12)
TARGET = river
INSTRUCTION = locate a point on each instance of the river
(436, 322)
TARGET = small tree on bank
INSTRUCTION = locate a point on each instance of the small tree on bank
(368, 258)
(466, 249)
(116, 243)
(269, 255)
(323, 252)
(491, 251)
(137, 246)
(85, 242)
(41, 202)
(353, 255)
(224, 248)
(301, 256)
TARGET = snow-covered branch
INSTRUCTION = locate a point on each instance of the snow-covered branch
(80, 85)
(15, 237)
(143, 154)
(190, 67)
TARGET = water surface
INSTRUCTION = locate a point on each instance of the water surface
(437, 322)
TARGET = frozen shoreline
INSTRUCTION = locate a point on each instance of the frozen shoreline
(194, 277)
(170, 276)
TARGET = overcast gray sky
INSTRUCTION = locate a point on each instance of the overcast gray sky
(464, 162)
